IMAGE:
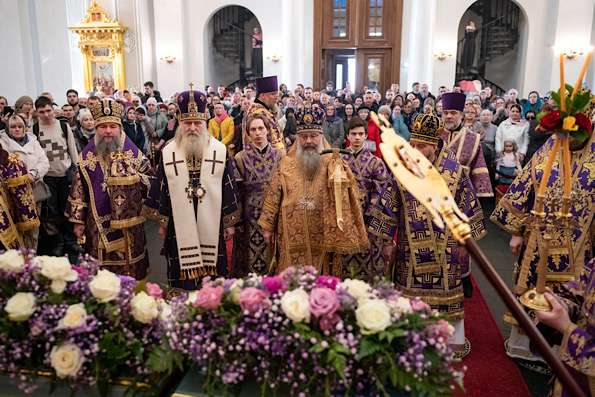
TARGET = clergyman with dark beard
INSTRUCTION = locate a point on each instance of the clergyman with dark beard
(300, 217)
(107, 217)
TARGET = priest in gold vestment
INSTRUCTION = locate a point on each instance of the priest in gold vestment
(311, 212)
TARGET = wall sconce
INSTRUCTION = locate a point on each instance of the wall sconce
(275, 58)
(571, 54)
(442, 55)
(168, 59)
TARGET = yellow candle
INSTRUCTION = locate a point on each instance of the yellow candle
(581, 74)
(562, 85)
(548, 167)
(567, 173)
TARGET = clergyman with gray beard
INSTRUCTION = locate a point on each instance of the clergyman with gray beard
(299, 216)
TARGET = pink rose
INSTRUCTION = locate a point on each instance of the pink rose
(154, 290)
(327, 281)
(323, 302)
(443, 329)
(252, 299)
(419, 306)
(209, 297)
(274, 284)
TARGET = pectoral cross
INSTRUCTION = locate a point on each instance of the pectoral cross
(174, 162)
(214, 161)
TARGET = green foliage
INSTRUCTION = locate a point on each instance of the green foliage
(164, 360)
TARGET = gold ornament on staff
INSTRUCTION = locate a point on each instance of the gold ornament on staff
(541, 223)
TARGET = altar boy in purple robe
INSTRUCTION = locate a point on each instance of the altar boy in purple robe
(106, 195)
(372, 179)
(254, 170)
(428, 259)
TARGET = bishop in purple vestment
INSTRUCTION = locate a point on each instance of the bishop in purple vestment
(254, 170)
(372, 179)
(106, 195)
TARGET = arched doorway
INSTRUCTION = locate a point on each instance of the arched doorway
(234, 50)
(492, 43)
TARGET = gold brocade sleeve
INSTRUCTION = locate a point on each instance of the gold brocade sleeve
(76, 206)
(512, 211)
(272, 202)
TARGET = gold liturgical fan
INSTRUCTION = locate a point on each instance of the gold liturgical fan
(101, 41)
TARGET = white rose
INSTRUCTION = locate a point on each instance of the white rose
(164, 310)
(372, 315)
(191, 297)
(105, 286)
(75, 316)
(57, 269)
(67, 360)
(400, 306)
(357, 288)
(21, 306)
(12, 261)
(235, 289)
(296, 305)
(144, 308)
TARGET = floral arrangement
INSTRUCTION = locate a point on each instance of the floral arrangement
(572, 102)
(78, 324)
(302, 334)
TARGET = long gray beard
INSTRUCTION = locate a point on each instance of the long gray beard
(309, 160)
(194, 145)
(104, 149)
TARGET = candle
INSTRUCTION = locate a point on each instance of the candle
(562, 85)
(566, 174)
(581, 74)
(548, 168)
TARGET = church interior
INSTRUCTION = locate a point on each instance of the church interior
(297, 197)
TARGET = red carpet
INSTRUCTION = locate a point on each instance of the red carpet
(489, 370)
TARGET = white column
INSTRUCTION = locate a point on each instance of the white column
(18, 75)
(75, 12)
(446, 21)
(297, 42)
(54, 49)
(420, 38)
(574, 24)
(169, 39)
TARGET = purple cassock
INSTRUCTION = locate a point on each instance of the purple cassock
(577, 349)
(513, 214)
(428, 261)
(372, 179)
(18, 212)
(119, 249)
(254, 171)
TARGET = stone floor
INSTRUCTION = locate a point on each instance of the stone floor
(495, 246)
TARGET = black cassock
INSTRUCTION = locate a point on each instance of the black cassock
(159, 206)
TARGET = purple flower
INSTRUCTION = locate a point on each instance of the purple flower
(323, 302)
(327, 281)
(274, 284)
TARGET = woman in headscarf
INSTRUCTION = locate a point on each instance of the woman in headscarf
(332, 127)
(24, 107)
